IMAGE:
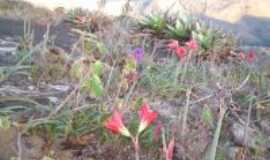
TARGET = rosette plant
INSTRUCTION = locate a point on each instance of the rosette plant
(115, 124)
(155, 24)
(181, 29)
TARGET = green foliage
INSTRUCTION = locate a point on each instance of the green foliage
(220, 155)
(138, 103)
(205, 36)
(5, 122)
(70, 123)
(95, 86)
(89, 75)
(93, 45)
(207, 115)
(98, 68)
(24, 56)
(181, 29)
(6, 71)
(158, 79)
(76, 12)
(156, 23)
(101, 48)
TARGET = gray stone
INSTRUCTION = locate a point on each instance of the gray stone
(243, 136)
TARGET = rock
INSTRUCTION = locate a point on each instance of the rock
(33, 147)
(232, 152)
(265, 125)
(53, 100)
(238, 132)
(31, 88)
(8, 143)
(62, 88)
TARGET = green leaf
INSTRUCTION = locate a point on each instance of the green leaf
(131, 65)
(5, 122)
(98, 68)
(138, 103)
(101, 48)
(96, 86)
(207, 115)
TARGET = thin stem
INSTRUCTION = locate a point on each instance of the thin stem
(186, 67)
(164, 142)
(217, 132)
(19, 146)
(136, 145)
(243, 83)
(184, 124)
(246, 135)
(61, 105)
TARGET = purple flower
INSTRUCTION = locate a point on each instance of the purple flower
(138, 54)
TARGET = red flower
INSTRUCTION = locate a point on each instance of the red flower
(173, 45)
(181, 52)
(147, 116)
(192, 44)
(170, 149)
(115, 124)
(251, 57)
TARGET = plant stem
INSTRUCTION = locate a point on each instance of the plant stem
(184, 124)
(246, 135)
(136, 147)
(214, 145)
(164, 142)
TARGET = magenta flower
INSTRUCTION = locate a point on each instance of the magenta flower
(138, 54)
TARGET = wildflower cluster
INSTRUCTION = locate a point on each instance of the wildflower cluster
(249, 57)
(115, 124)
(181, 51)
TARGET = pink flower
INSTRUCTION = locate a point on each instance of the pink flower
(115, 124)
(173, 45)
(181, 52)
(251, 57)
(147, 116)
(170, 150)
(192, 45)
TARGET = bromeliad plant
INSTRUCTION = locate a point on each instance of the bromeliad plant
(115, 125)
(181, 29)
(205, 36)
(154, 23)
